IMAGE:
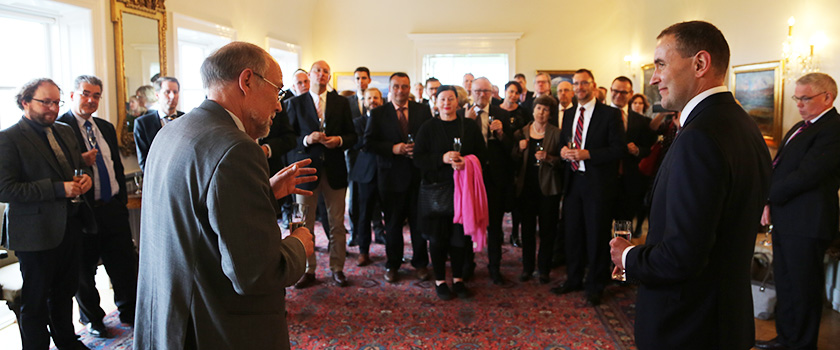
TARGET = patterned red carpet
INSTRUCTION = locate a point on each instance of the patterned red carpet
(372, 314)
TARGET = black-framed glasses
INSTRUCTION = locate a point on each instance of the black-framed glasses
(806, 99)
(279, 90)
(50, 103)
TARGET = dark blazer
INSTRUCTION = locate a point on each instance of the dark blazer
(551, 169)
(303, 117)
(281, 139)
(497, 164)
(707, 200)
(353, 100)
(803, 192)
(394, 173)
(639, 133)
(363, 169)
(146, 127)
(110, 136)
(35, 218)
(604, 141)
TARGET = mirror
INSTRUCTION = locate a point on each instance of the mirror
(140, 45)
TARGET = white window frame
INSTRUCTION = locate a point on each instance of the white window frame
(461, 44)
(191, 23)
(271, 43)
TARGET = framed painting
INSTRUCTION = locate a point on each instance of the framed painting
(650, 91)
(556, 77)
(758, 87)
(345, 81)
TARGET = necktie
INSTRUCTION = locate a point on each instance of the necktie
(403, 122)
(578, 137)
(802, 128)
(321, 110)
(485, 124)
(59, 154)
(101, 170)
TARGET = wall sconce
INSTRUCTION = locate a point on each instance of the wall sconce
(628, 61)
(800, 58)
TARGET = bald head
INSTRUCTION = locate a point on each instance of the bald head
(319, 76)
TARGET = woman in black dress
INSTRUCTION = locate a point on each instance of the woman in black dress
(538, 186)
(436, 155)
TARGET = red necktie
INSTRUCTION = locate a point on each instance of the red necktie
(802, 128)
(578, 137)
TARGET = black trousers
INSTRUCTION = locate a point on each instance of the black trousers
(447, 240)
(398, 207)
(114, 246)
(800, 282)
(368, 197)
(534, 204)
(50, 278)
(496, 213)
(587, 215)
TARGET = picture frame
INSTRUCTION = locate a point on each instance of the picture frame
(759, 88)
(346, 81)
(650, 91)
(556, 77)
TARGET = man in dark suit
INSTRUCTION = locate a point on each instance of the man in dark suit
(632, 184)
(803, 205)
(361, 76)
(707, 198)
(167, 90)
(42, 225)
(113, 242)
(363, 175)
(565, 99)
(542, 86)
(432, 84)
(523, 83)
(590, 186)
(387, 135)
(214, 265)
(325, 129)
(497, 170)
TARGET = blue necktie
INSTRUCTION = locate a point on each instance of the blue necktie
(104, 179)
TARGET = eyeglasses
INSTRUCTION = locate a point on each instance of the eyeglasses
(87, 94)
(50, 103)
(619, 92)
(280, 91)
(806, 99)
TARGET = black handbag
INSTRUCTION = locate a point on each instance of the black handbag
(436, 199)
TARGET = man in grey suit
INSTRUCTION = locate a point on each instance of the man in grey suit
(37, 160)
(214, 265)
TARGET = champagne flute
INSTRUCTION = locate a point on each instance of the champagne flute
(572, 144)
(77, 177)
(91, 137)
(138, 181)
(410, 142)
(490, 120)
(456, 144)
(768, 230)
(540, 148)
(623, 229)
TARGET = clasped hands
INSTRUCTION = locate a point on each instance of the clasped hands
(539, 155)
(322, 138)
(77, 187)
(454, 158)
(403, 149)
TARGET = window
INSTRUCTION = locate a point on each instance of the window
(287, 55)
(450, 68)
(195, 40)
(53, 30)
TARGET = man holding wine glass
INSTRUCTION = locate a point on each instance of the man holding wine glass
(113, 243)
(37, 161)
(694, 268)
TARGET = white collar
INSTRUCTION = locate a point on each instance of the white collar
(236, 120)
(689, 107)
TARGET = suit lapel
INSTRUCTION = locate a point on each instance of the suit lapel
(312, 110)
(39, 145)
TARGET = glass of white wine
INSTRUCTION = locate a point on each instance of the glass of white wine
(299, 215)
(77, 176)
(623, 229)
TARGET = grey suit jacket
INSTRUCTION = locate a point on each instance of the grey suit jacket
(211, 247)
(29, 172)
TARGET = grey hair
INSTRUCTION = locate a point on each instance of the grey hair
(820, 81)
(90, 79)
(226, 63)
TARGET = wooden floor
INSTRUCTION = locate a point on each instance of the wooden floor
(829, 330)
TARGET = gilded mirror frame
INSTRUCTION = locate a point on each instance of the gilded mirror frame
(153, 9)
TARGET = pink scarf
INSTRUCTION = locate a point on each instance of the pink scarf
(471, 202)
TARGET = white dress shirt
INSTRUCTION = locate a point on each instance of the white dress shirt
(589, 107)
(104, 150)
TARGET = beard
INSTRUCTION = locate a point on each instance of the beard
(261, 126)
(45, 119)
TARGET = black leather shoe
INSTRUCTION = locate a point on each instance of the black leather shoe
(352, 243)
(379, 239)
(525, 276)
(97, 329)
(460, 290)
(772, 344)
(497, 277)
(564, 289)
(515, 241)
(544, 278)
(594, 299)
(339, 278)
(306, 280)
(443, 292)
(422, 273)
(391, 275)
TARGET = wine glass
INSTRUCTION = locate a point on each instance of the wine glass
(138, 181)
(623, 229)
(540, 148)
(77, 176)
(456, 144)
(490, 120)
(300, 212)
(768, 230)
(572, 144)
(410, 142)
(91, 137)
